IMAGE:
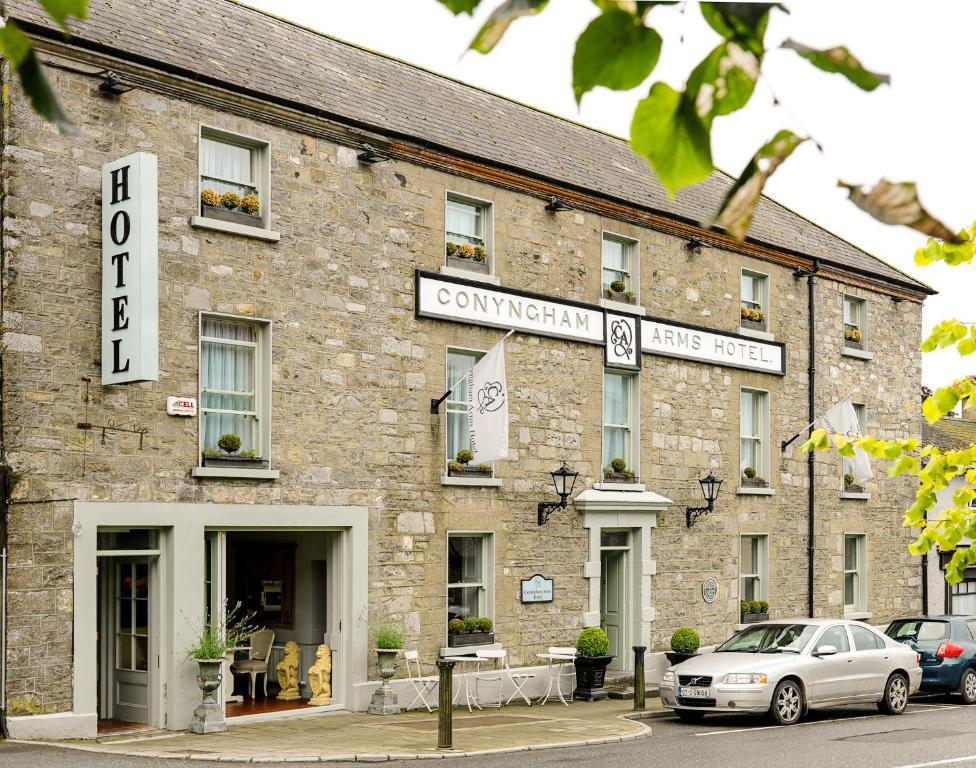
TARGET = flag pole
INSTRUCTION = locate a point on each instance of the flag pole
(786, 443)
(435, 402)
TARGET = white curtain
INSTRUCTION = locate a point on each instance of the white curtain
(225, 167)
(750, 415)
(616, 418)
(464, 223)
(458, 437)
(227, 375)
(616, 262)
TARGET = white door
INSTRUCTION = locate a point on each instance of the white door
(129, 644)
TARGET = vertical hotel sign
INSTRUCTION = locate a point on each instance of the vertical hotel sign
(130, 280)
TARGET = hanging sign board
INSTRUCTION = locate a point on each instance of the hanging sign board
(537, 589)
(130, 270)
(624, 337)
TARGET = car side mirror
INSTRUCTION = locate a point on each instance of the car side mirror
(826, 650)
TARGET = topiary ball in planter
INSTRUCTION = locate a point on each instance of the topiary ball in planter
(464, 456)
(618, 286)
(685, 643)
(592, 647)
(455, 626)
(230, 443)
(230, 200)
(618, 464)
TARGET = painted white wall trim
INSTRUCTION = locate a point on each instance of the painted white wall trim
(60, 725)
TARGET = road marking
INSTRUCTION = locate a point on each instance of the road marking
(918, 711)
(948, 761)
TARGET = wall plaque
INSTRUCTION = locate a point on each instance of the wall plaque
(709, 590)
(537, 589)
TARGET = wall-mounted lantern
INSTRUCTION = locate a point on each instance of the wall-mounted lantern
(564, 479)
(710, 486)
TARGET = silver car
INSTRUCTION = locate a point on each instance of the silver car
(785, 668)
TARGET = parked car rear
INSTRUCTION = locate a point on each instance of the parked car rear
(947, 646)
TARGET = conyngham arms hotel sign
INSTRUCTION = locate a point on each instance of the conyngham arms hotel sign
(623, 336)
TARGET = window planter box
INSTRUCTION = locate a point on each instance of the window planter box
(755, 482)
(234, 462)
(620, 477)
(591, 671)
(469, 472)
(237, 217)
(854, 344)
(471, 265)
(753, 618)
(464, 639)
(853, 488)
(753, 325)
(620, 296)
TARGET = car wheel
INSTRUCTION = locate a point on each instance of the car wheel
(967, 686)
(690, 716)
(787, 705)
(895, 697)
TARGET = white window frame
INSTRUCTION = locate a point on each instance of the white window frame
(488, 208)
(763, 285)
(632, 250)
(862, 312)
(262, 390)
(457, 405)
(487, 584)
(762, 574)
(847, 464)
(763, 438)
(860, 575)
(261, 173)
(633, 460)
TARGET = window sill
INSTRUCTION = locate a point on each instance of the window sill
(855, 495)
(748, 491)
(857, 615)
(246, 474)
(623, 307)
(860, 354)
(202, 222)
(475, 482)
(752, 333)
(464, 274)
(638, 487)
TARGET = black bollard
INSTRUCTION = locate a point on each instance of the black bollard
(639, 677)
(445, 704)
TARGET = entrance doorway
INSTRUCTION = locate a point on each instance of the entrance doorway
(614, 593)
(127, 628)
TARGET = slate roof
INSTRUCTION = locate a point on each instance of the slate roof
(950, 434)
(251, 51)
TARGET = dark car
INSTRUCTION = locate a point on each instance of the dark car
(947, 645)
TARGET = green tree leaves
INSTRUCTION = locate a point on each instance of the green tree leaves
(841, 61)
(497, 24)
(952, 254)
(460, 6)
(616, 51)
(667, 131)
(893, 202)
(741, 201)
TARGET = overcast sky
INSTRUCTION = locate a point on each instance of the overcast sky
(919, 128)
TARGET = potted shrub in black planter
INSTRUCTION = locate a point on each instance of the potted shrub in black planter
(461, 466)
(231, 455)
(750, 479)
(592, 647)
(753, 611)
(685, 643)
(230, 206)
(470, 631)
(617, 472)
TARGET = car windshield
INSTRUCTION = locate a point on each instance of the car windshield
(918, 630)
(769, 638)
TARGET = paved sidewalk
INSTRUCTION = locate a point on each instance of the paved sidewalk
(346, 736)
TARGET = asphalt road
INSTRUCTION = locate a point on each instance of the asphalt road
(934, 732)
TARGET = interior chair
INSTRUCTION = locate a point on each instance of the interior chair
(256, 662)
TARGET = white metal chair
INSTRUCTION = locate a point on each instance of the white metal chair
(558, 658)
(500, 675)
(423, 686)
(256, 662)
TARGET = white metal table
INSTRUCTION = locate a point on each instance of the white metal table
(556, 663)
(470, 696)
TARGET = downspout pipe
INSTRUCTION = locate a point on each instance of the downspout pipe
(811, 415)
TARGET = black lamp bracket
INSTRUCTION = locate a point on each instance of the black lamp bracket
(546, 508)
(693, 513)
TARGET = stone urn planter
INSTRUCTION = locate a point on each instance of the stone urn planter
(384, 701)
(208, 717)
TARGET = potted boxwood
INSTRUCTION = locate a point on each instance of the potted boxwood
(753, 611)
(750, 479)
(592, 649)
(231, 455)
(461, 466)
(473, 258)
(209, 652)
(473, 630)
(618, 291)
(230, 206)
(850, 486)
(751, 317)
(853, 337)
(617, 472)
(685, 643)
(389, 642)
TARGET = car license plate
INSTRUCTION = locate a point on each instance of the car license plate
(693, 693)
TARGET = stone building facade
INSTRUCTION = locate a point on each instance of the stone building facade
(354, 463)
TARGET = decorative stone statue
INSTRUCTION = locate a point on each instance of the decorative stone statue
(287, 672)
(320, 677)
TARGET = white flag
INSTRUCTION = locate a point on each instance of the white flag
(488, 407)
(842, 419)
